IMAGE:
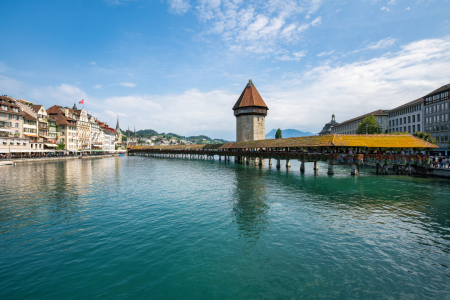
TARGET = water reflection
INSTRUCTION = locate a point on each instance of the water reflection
(45, 191)
(249, 204)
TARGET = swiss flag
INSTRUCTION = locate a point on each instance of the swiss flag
(81, 102)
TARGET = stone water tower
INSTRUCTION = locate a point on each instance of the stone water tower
(250, 112)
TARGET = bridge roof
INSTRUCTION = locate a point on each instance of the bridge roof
(334, 141)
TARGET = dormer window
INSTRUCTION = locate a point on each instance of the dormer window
(15, 109)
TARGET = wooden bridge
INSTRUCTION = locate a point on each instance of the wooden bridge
(381, 151)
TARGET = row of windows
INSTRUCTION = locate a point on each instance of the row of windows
(436, 108)
(10, 117)
(436, 98)
(437, 129)
(404, 120)
(410, 129)
(436, 119)
(30, 130)
(406, 110)
(443, 139)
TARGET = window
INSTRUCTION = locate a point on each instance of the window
(409, 119)
(9, 117)
(16, 125)
(409, 128)
(396, 122)
(446, 117)
(404, 120)
(414, 128)
(418, 117)
(400, 121)
(413, 118)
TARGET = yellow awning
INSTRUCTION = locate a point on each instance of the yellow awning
(29, 134)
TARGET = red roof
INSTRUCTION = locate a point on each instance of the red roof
(250, 97)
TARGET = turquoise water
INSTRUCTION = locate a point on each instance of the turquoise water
(158, 228)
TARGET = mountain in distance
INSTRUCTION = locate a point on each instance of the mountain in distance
(287, 133)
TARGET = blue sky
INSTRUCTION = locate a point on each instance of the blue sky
(180, 65)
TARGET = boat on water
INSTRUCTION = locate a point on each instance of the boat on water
(6, 163)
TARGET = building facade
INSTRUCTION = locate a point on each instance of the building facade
(407, 117)
(66, 126)
(327, 128)
(250, 112)
(350, 126)
(83, 130)
(11, 127)
(436, 111)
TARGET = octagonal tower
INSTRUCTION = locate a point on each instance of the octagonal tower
(250, 112)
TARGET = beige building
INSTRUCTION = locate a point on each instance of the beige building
(83, 130)
(250, 112)
(350, 126)
(67, 126)
(11, 127)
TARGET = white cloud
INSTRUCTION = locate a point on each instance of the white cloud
(98, 86)
(408, 8)
(392, 2)
(356, 88)
(179, 7)
(257, 26)
(325, 53)
(381, 44)
(316, 21)
(93, 63)
(385, 8)
(10, 86)
(115, 114)
(117, 2)
(128, 84)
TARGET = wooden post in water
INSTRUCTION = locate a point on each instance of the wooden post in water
(278, 164)
(302, 167)
(288, 163)
(316, 166)
(270, 161)
(354, 170)
(330, 169)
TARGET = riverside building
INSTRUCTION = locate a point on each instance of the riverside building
(350, 126)
(11, 126)
(327, 128)
(407, 117)
(436, 113)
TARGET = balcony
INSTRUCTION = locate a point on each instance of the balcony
(43, 126)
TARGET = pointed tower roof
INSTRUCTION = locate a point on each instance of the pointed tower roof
(117, 126)
(250, 97)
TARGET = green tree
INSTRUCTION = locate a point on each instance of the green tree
(61, 146)
(116, 147)
(279, 134)
(369, 125)
(426, 137)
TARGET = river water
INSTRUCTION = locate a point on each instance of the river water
(158, 228)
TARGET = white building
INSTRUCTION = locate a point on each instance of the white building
(407, 117)
(350, 126)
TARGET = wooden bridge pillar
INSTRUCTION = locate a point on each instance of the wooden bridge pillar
(288, 163)
(330, 169)
(270, 161)
(278, 164)
(316, 166)
(354, 170)
(302, 167)
(260, 162)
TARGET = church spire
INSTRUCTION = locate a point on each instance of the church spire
(117, 126)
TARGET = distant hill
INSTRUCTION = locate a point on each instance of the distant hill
(287, 133)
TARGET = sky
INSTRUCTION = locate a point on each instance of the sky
(180, 65)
